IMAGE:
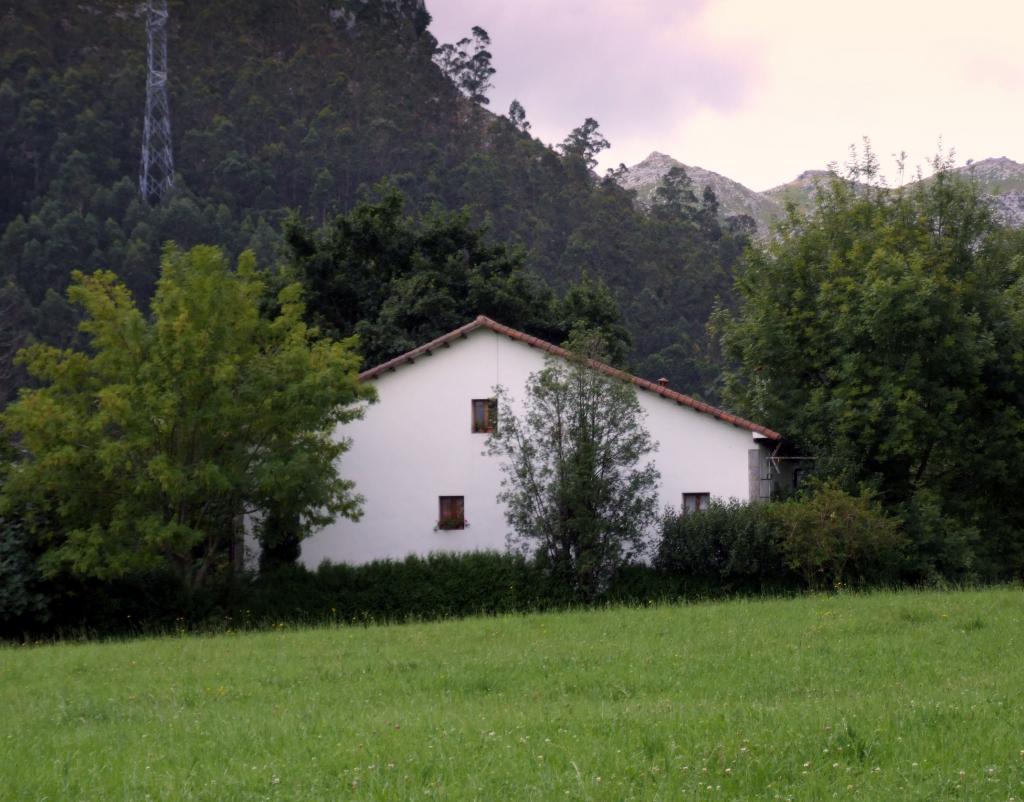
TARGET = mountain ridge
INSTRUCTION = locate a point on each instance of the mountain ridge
(1001, 180)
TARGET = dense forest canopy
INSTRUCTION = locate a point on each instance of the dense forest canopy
(301, 108)
(884, 334)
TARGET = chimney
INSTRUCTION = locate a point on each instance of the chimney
(663, 381)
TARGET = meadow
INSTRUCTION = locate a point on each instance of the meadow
(887, 696)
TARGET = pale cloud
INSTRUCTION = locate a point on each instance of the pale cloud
(996, 71)
(759, 91)
(639, 65)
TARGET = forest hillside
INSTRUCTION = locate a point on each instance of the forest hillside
(305, 107)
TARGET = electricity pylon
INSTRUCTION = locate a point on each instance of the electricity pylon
(157, 174)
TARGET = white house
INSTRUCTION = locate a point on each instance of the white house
(417, 456)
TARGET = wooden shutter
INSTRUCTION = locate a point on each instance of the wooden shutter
(492, 414)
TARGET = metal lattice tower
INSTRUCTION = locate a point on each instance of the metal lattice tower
(157, 173)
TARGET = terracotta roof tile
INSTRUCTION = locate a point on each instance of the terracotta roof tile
(535, 342)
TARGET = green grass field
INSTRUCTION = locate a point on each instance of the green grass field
(881, 697)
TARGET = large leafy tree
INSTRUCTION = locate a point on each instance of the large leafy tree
(588, 304)
(467, 64)
(517, 116)
(147, 450)
(579, 494)
(675, 195)
(884, 334)
(400, 280)
(584, 143)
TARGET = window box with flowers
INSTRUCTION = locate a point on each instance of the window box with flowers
(451, 513)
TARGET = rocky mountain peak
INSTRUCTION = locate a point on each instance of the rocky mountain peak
(733, 197)
(657, 157)
(810, 175)
(994, 161)
(997, 169)
(1001, 179)
(649, 171)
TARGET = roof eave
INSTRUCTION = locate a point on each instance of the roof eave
(481, 321)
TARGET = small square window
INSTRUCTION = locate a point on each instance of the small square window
(485, 414)
(696, 502)
(451, 512)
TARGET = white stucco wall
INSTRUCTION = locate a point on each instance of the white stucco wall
(416, 444)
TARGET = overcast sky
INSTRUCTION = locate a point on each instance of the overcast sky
(759, 90)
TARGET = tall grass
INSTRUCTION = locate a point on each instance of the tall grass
(916, 696)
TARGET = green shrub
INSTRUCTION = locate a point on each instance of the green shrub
(832, 539)
(940, 548)
(21, 599)
(729, 546)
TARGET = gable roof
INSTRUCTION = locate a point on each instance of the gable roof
(482, 322)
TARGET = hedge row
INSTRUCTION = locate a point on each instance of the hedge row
(417, 588)
(826, 541)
